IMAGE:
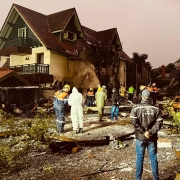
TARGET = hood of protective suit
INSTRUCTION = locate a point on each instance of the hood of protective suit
(75, 98)
(74, 90)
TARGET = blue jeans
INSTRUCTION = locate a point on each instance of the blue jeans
(114, 110)
(152, 151)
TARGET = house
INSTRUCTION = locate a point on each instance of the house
(16, 89)
(43, 48)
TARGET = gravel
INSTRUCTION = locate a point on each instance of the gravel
(98, 162)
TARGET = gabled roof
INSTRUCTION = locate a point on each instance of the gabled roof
(42, 26)
(57, 21)
(124, 57)
(103, 38)
(5, 73)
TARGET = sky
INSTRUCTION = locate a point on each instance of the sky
(144, 26)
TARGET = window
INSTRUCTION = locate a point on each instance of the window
(40, 58)
(22, 32)
(69, 35)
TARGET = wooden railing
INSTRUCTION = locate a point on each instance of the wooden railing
(19, 41)
(31, 68)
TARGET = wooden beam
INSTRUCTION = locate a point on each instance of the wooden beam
(10, 24)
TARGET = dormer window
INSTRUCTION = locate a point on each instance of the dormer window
(69, 36)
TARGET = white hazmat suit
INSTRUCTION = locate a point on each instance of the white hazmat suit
(76, 100)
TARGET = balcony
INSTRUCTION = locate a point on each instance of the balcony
(20, 41)
(34, 73)
(31, 68)
(17, 46)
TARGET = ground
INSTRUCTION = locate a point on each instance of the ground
(97, 162)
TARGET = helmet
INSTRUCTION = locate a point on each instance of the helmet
(66, 86)
(91, 89)
(142, 87)
(98, 85)
(153, 84)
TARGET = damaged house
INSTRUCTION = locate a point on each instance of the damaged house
(56, 47)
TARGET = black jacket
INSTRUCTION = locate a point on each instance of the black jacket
(146, 117)
(115, 98)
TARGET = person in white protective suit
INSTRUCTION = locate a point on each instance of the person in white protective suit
(76, 100)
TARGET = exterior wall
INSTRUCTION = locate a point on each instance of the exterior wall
(122, 73)
(3, 59)
(21, 60)
(79, 73)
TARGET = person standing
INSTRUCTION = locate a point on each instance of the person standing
(154, 93)
(76, 100)
(2, 99)
(147, 122)
(139, 97)
(130, 93)
(90, 97)
(60, 103)
(115, 104)
(122, 91)
(100, 97)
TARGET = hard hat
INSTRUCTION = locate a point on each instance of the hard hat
(90, 88)
(153, 84)
(142, 87)
(66, 86)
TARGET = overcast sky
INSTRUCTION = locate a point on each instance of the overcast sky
(144, 26)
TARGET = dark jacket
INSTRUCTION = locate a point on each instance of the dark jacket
(115, 98)
(146, 117)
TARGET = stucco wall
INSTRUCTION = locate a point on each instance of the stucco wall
(79, 73)
(21, 60)
(122, 73)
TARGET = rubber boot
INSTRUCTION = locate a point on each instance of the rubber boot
(80, 130)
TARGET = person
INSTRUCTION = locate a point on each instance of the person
(2, 99)
(130, 93)
(104, 89)
(141, 88)
(115, 104)
(60, 103)
(147, 121)
(100, 97)
(154, 93)
(76, 100)
(122, 91)
(150, 89)
(90, 97)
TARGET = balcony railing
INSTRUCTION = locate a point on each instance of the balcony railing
(20, 41)
(31, 68)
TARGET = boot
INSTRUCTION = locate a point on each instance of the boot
(80, 130)
(76, 131)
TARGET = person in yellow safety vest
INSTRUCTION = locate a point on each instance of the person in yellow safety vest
(130, 93)
(60, 103)
(122, 92)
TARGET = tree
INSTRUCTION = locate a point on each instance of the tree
(169, 67)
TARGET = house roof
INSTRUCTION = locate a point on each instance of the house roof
(42, 27)
(58, 20)
(124, 57)
(5, 73)
(103, 38)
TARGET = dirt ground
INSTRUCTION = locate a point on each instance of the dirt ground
(97, 162)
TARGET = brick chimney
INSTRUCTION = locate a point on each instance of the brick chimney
(163, 68)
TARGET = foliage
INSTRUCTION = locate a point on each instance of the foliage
(168, 108)
(169, 67)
